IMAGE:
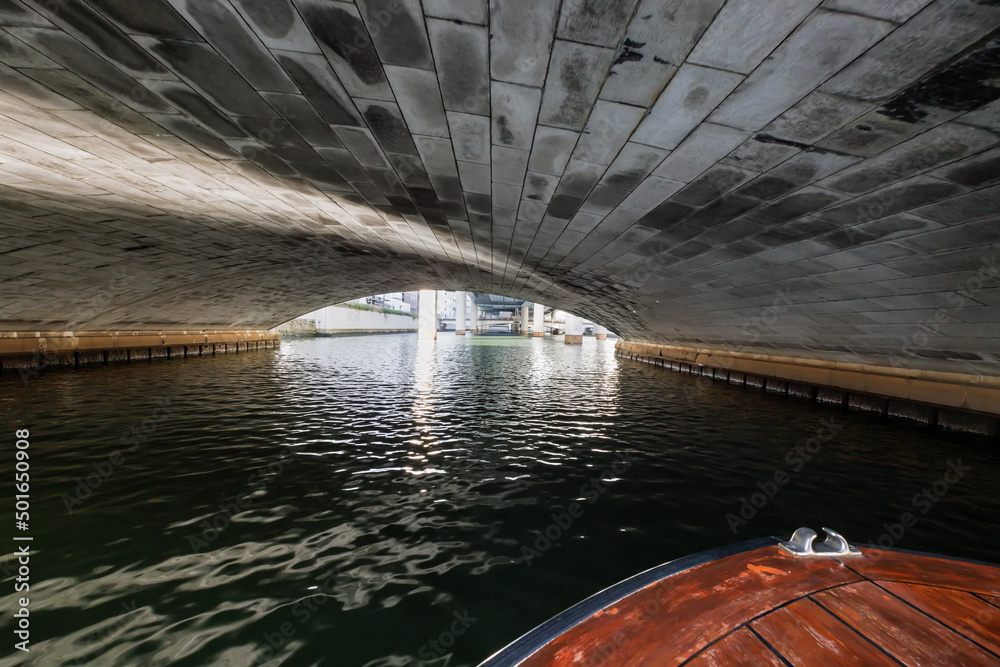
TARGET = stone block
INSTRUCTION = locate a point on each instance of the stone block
(521, 33)
(796, 68)
(688, 99)
(461, 57)
(573, 84)
(705, 146)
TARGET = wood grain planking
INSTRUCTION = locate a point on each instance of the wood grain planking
(881, 565)
(807, 634)
(961, 611)
(902, 631)
(740, 647)
(695, 607)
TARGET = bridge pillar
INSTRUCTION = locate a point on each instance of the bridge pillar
(600, 333)
(460, 299)
(526, 319)
(574, 330)
(538, 328)
(427, 327)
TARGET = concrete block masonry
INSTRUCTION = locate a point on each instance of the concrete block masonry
(796, 178)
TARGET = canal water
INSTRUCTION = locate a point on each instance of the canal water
(379, 501)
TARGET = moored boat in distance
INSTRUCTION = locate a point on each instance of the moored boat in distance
(778, 602)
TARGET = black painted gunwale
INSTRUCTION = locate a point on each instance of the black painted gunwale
(523, 647)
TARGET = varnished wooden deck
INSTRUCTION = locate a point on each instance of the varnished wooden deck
(763, 607)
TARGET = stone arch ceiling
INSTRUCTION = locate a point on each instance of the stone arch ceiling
(818, 178)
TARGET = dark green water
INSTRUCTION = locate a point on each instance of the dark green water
(345, 501)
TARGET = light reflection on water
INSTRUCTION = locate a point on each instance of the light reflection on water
(343, 501)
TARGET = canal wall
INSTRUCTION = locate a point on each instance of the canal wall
(20, 350)
(952, 401)
(340, 320)
(298, 328)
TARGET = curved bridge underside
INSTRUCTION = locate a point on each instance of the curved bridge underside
(815, 178)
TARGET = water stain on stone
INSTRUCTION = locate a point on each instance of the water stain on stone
(198, 108)
(231, 36)
(696, 97)
(577, 184)
(982, 171)
(14, 14)
(281, 139)
(214, 77)
(594, 21)
(793, 207)
(274, 18)
(423, 197)
(401, 37)
(574, 77)
(564, 207)
(479, 203)
(346, 35)
(150, 17)
(606, 197)
(969, 83)
(506, 136)
(71, 86)
(572, 73)
(767, 188)
(333, 110)
(390, 130)
(75, 56)
(710, 185)
(665, 215)
(197, 136)
(627, 179)
(107, 39)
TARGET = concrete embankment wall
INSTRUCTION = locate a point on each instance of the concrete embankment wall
(298, 328)
(334, 320)
(952, 401)
(37, 349)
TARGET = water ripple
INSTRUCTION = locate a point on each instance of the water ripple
(344, 501)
